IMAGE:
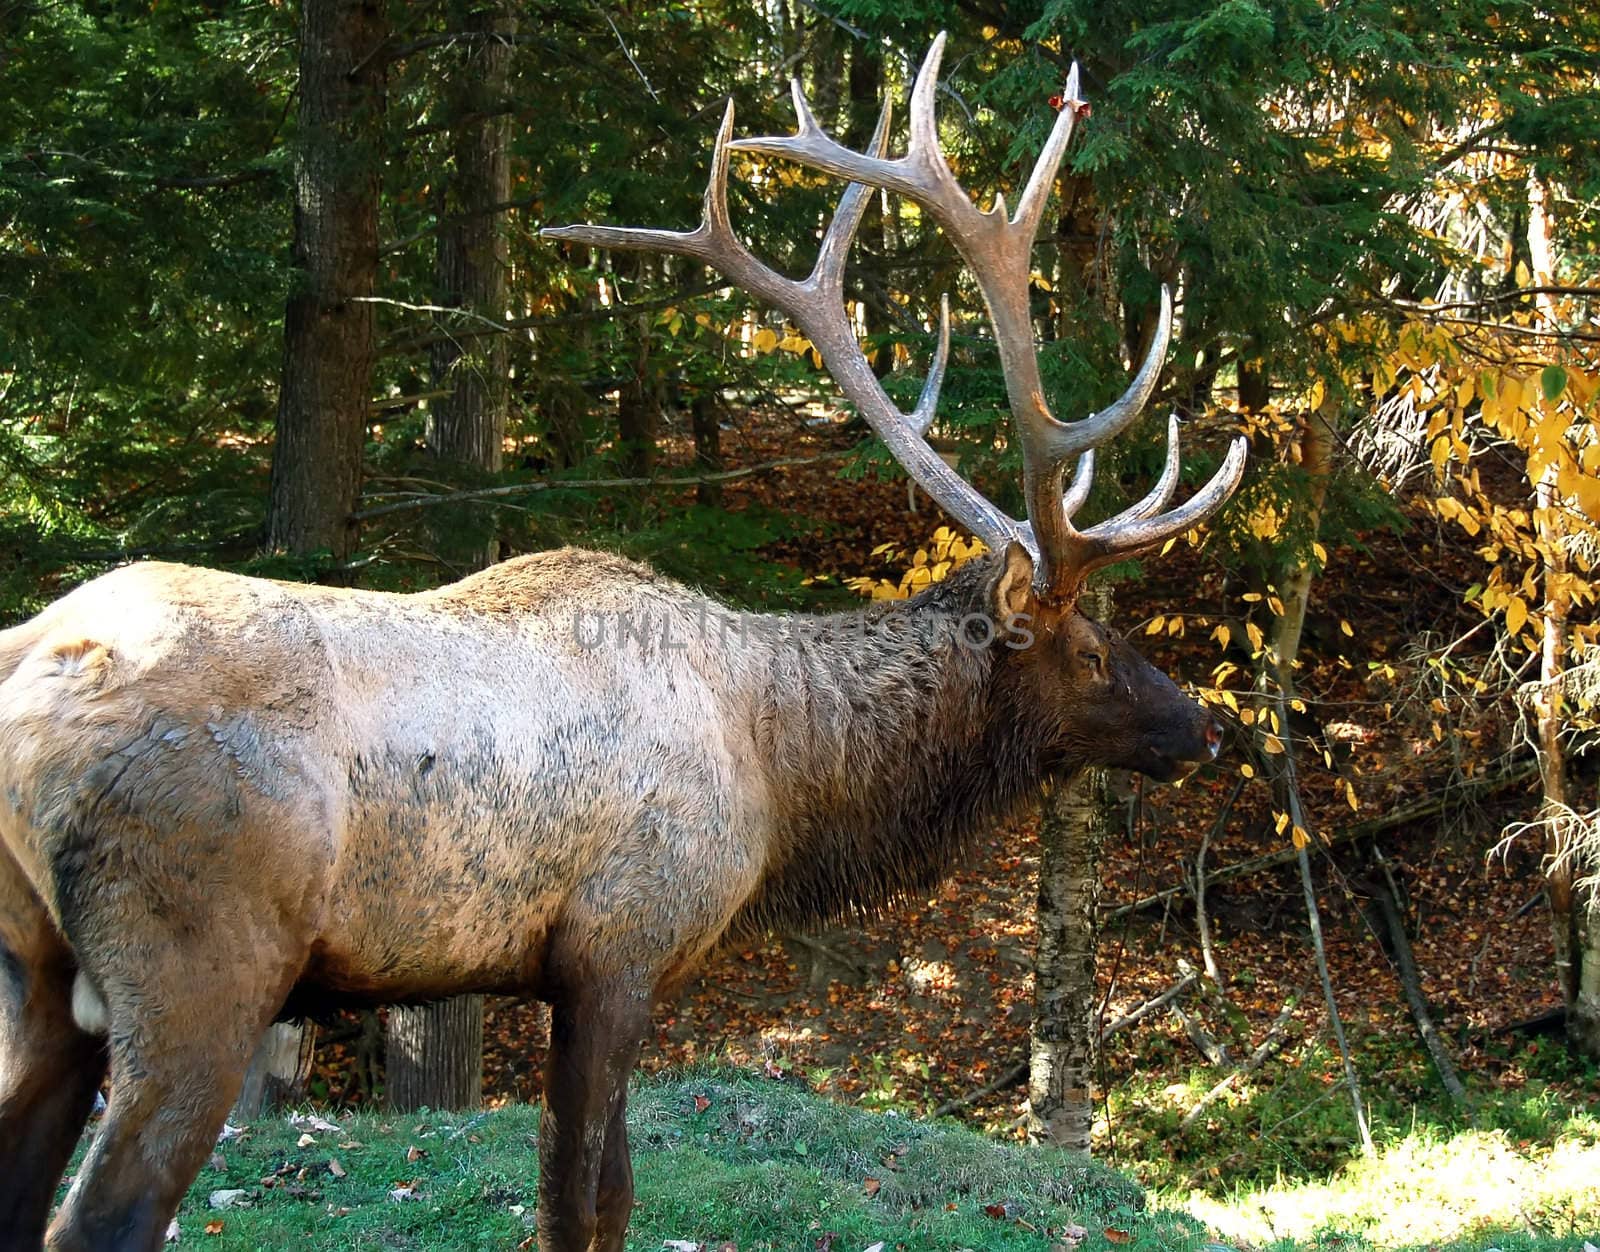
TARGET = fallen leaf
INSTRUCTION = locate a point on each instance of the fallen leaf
(682, 1245)
(218, 1161)
(1113, 1235)
(226, 1198)
(310, 1121)
(996, 1211)
(230, 1132)
(214, 1228)
(407, 1191)
(334, 1168)
(701, 1104)
(173, 1233)
(414, 1153)
(871, 1186)
(874, 1247)
(304, 1141)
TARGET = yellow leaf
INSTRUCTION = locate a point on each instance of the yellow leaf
(1321, 552)
(1345, 627)
(1516, 615)
(1222, 634)
(1246, 770)
(1154, 625)
(1272, 745)
(1175, 624)
(1254, 631)
(1350, 797)
(766, 340)
(1280, 821)
(1300, 837)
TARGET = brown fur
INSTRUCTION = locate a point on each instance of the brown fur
(223, 799)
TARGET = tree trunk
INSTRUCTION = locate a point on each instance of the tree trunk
(1575, 925)
(434, 1052)
(1255, 382)
(433, 1055)
(1295, 580)
(1072, 831)
(327, 356)
(705, 414)
(278, 1071)
(468, 426)
(638, 413)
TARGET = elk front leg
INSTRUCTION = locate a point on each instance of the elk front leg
(584, 1196)
(614, 1197)
(49, 1068)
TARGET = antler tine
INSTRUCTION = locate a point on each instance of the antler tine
(922, 416)
(828, 272)
(1166, 484)
(1030, 208)
(1126, 535)
(1082, 483)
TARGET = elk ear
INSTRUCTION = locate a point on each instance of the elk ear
(1011, 593)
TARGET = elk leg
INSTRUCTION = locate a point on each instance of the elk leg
(186, 1010)
(614, 1196)
(595, 1035)
(49, 1070)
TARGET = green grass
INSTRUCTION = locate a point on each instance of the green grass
(724, 1157)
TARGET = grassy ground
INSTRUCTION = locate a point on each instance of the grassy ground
(726, 1158)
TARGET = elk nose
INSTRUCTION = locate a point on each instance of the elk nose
(1213, 736)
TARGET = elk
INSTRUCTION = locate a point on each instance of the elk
(225, 800)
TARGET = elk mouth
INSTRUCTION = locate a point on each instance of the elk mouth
(1168, 762)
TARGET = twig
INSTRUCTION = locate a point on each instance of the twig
(1411, 981)
(1150, 1006)
(1010, 1078)
(1253, 1062)
(587, 484)
(1302, 840)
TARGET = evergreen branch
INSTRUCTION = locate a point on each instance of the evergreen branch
(474, 495)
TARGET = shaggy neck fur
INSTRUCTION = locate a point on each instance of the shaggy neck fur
(891, 743)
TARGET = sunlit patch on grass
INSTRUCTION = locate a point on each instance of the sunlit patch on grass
(1427, 1187)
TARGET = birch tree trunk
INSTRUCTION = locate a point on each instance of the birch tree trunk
(1575, 921)
(1072, 831)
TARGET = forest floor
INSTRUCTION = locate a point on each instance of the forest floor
(927, 1009)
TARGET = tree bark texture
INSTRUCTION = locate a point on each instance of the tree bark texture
(278, 1071)
(1575, 923)
(468, 426)
(433, 1055)
(1072, 831)
(1317, 442)
(327, 354)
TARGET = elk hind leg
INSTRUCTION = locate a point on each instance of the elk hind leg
(186, 1010)
(49, 1070)
(584, 1195)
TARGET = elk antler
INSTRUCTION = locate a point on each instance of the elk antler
(998, 250)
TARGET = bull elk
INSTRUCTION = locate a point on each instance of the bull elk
(225, 800)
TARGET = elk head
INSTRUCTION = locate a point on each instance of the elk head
(1110, 706)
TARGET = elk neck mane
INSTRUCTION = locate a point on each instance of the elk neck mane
(889, 742)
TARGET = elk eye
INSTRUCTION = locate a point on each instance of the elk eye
(1093, 662)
